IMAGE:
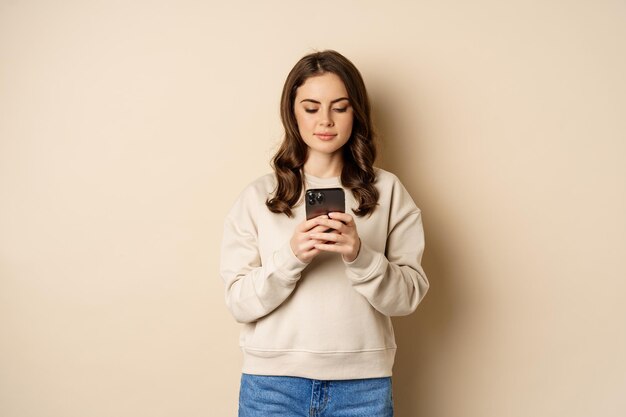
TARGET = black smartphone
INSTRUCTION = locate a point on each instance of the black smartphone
(320, 201)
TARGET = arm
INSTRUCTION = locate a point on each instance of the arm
(253, 288)
(394, 283)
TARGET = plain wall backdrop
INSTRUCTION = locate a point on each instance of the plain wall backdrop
(128, 128)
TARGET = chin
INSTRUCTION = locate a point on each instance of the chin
(326, 146)
(325, 149)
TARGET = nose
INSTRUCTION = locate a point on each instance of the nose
(326, 118)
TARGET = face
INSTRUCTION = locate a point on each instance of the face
(323, 113)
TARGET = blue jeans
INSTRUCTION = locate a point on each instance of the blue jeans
(286, 396)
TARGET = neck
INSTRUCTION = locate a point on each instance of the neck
(323, 167)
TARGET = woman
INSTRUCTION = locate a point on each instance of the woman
(316, 296)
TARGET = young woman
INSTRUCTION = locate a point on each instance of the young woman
(316, 296)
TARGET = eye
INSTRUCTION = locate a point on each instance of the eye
(310, 110)
(341, 109)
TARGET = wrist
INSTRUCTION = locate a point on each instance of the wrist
(356, 254)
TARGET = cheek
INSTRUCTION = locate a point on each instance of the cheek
(348, 125)
(301, 119)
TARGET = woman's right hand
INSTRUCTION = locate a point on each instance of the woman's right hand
(302, 245)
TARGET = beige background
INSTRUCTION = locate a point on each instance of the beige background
(128, 128)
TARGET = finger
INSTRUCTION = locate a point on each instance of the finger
(308, 224)
(331, 247)
(307, 239)
(327, 237)
(312, 252)
(333, 224)
(305, 247)
(344, 217)
(321, 229)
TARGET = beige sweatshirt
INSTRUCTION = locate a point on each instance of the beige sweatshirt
(328, 319)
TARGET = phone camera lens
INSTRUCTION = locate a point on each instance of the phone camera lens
(319, 197)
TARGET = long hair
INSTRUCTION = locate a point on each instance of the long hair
(359, 153)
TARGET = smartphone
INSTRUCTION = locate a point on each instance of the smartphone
(320, 201)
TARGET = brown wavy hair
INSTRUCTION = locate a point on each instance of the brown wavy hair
(359, 153)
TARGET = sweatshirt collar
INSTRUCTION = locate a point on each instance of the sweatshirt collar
(323, 182)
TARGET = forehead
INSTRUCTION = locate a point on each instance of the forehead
(323, 87)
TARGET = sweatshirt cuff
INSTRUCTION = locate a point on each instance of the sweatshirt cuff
(287, 262)
(366, 263)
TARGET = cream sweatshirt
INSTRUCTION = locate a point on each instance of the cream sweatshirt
(327, 319)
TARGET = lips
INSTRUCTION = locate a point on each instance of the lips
(325, 136)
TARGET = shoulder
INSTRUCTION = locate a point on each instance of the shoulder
(254, 194)
(384, 177)
(263, 184)
(393, 191)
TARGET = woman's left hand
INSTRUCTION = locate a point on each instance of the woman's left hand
(344, 238)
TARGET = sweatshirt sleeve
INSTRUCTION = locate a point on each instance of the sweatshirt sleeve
(254, 288)
(394, 282)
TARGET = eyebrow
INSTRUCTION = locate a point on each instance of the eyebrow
(332, 102)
